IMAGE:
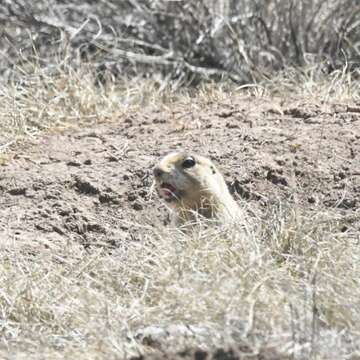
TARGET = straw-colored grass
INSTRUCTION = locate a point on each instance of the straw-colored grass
(291, 283)
(52, 100)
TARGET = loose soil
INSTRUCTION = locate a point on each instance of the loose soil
(94, 185)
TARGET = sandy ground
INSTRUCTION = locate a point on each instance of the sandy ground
(93, 185)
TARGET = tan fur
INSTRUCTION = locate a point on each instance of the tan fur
(200, 190)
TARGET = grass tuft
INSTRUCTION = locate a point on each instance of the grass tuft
(290, 283)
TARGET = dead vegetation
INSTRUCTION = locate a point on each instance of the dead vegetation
(184, 41)
(66, 63)
(290, 285)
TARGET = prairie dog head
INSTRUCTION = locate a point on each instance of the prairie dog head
(188, 181)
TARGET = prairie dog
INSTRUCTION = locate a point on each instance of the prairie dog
(192, 185)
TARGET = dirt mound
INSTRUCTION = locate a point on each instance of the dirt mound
(93, 185)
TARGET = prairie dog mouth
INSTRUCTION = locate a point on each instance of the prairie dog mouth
(168, 192)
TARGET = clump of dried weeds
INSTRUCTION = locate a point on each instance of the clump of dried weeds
(290, 283)
(186, 40)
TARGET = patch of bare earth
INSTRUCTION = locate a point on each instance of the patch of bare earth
(92, 187)
(92, 184)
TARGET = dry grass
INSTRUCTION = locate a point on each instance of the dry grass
(54, 98)
(310, 82)
(67, 98)
(188, 41)
(65, 63)
(292, 283)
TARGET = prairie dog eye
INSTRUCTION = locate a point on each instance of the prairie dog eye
(188, 163)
